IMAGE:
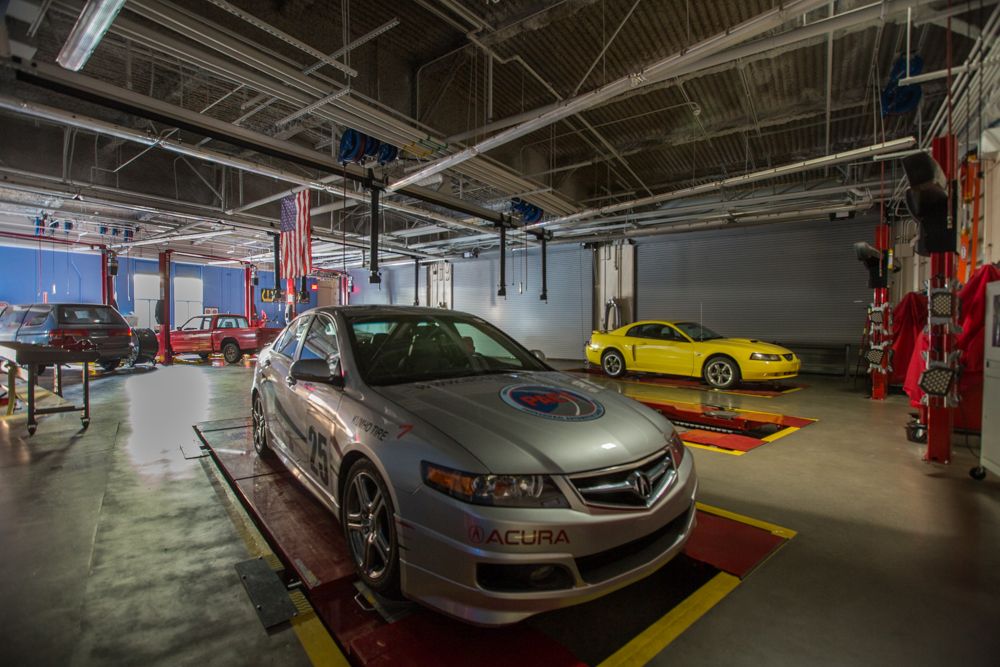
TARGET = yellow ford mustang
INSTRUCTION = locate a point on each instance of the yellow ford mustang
(687, 348)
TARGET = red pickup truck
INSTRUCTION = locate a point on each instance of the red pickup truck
(229, 334)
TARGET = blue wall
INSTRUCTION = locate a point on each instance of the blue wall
(27, 272)
(277, 310)
(77, 277)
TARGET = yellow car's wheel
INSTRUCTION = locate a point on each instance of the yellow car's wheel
(613, 363)
(721, 372)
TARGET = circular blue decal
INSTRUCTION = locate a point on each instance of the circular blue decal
(551, 403)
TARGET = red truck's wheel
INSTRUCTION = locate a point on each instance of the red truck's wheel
(231, 353)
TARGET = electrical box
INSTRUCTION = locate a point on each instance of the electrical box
(990, 456)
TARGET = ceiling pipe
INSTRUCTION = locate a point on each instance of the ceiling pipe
(873, 12)
(661, 69)
(736, 181)
(702, 225)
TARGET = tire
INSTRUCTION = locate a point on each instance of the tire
(110, 364)
(204, 357)
(721, 372)
(368, 518)
(231, 353)
(40, 370)
(613, 364)
(258, 428)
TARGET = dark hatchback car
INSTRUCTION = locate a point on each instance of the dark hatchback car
(74, 326)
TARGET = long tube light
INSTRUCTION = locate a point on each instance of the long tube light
(168, 239)
(94, 21)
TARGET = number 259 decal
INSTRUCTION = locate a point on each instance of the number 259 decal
(317, 445)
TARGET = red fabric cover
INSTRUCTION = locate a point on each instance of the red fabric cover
(909, 318)
(970, 341)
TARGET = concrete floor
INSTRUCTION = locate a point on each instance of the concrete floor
(117, 550)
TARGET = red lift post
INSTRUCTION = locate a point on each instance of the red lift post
(881, 330)
(165, 299)
(940, 415)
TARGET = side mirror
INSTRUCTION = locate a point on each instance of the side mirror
(315, 370)
(540, 355)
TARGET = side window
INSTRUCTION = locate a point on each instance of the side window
(206, 323)
(12, 316)
(227, 323)
(635, 332)
(321, 342)
(36, 316)
(478, 341)
(674, 335)
(290, 340)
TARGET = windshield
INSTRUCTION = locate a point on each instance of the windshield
(396, 349)
(696, 332)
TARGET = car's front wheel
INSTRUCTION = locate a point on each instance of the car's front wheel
(110, 364)
(258, 424)
(367, 516)
(613, 363)
(722, 372)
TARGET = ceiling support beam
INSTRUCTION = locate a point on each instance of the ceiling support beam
(662, 69)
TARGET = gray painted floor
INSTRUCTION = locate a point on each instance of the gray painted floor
(117, 550)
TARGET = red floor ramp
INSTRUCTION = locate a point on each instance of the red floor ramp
(426, 639)
(760, 390)
(734, 546)
(738, 443)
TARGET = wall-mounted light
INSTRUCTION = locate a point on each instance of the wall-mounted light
(94, 21)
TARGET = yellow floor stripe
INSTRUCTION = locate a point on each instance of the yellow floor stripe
(710, 448)
(788, 430)
(317, 642)
(787, 533)
(656, 637)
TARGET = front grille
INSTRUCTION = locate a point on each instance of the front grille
(635, 485)
(600, 567)
(788, 357)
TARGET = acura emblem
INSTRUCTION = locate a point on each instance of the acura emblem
(640, 484)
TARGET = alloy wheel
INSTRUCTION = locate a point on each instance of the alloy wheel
(720, 373)
(612, 364)
(369, 526)
(258, 425)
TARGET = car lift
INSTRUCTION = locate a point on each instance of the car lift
(164, 306)
(932, 199)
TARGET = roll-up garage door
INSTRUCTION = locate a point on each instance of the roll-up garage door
(792, 283)
(559, 327)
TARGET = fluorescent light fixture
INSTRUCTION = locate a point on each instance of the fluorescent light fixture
(94, 21)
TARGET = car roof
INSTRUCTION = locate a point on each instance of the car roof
(383, 309)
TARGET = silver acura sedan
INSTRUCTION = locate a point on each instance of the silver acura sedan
(466, 473)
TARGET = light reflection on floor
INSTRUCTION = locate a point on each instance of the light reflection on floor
(161, 408)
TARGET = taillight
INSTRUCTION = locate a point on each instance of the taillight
(260, 334)
(69, 333)
(119, 332)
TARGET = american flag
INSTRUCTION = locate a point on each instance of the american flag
(296, 248)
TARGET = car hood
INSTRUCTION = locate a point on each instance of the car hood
(523, 440)
(752, 345)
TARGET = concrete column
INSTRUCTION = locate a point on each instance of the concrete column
(990, 242)
(614, 278)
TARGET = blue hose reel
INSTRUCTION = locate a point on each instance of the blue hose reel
(529, 212)
(355, 147)
(896, 99)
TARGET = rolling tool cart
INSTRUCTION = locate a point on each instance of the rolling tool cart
(24, 360)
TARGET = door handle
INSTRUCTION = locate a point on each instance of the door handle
(290, 381)
(265, 363)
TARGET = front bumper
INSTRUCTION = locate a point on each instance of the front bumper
(770, 370)
(597, 551)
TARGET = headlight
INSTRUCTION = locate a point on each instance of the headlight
(676, 447)
(757, 356)
(503, 490)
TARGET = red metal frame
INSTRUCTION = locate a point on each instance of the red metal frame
(291, 296)
(248, 306)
